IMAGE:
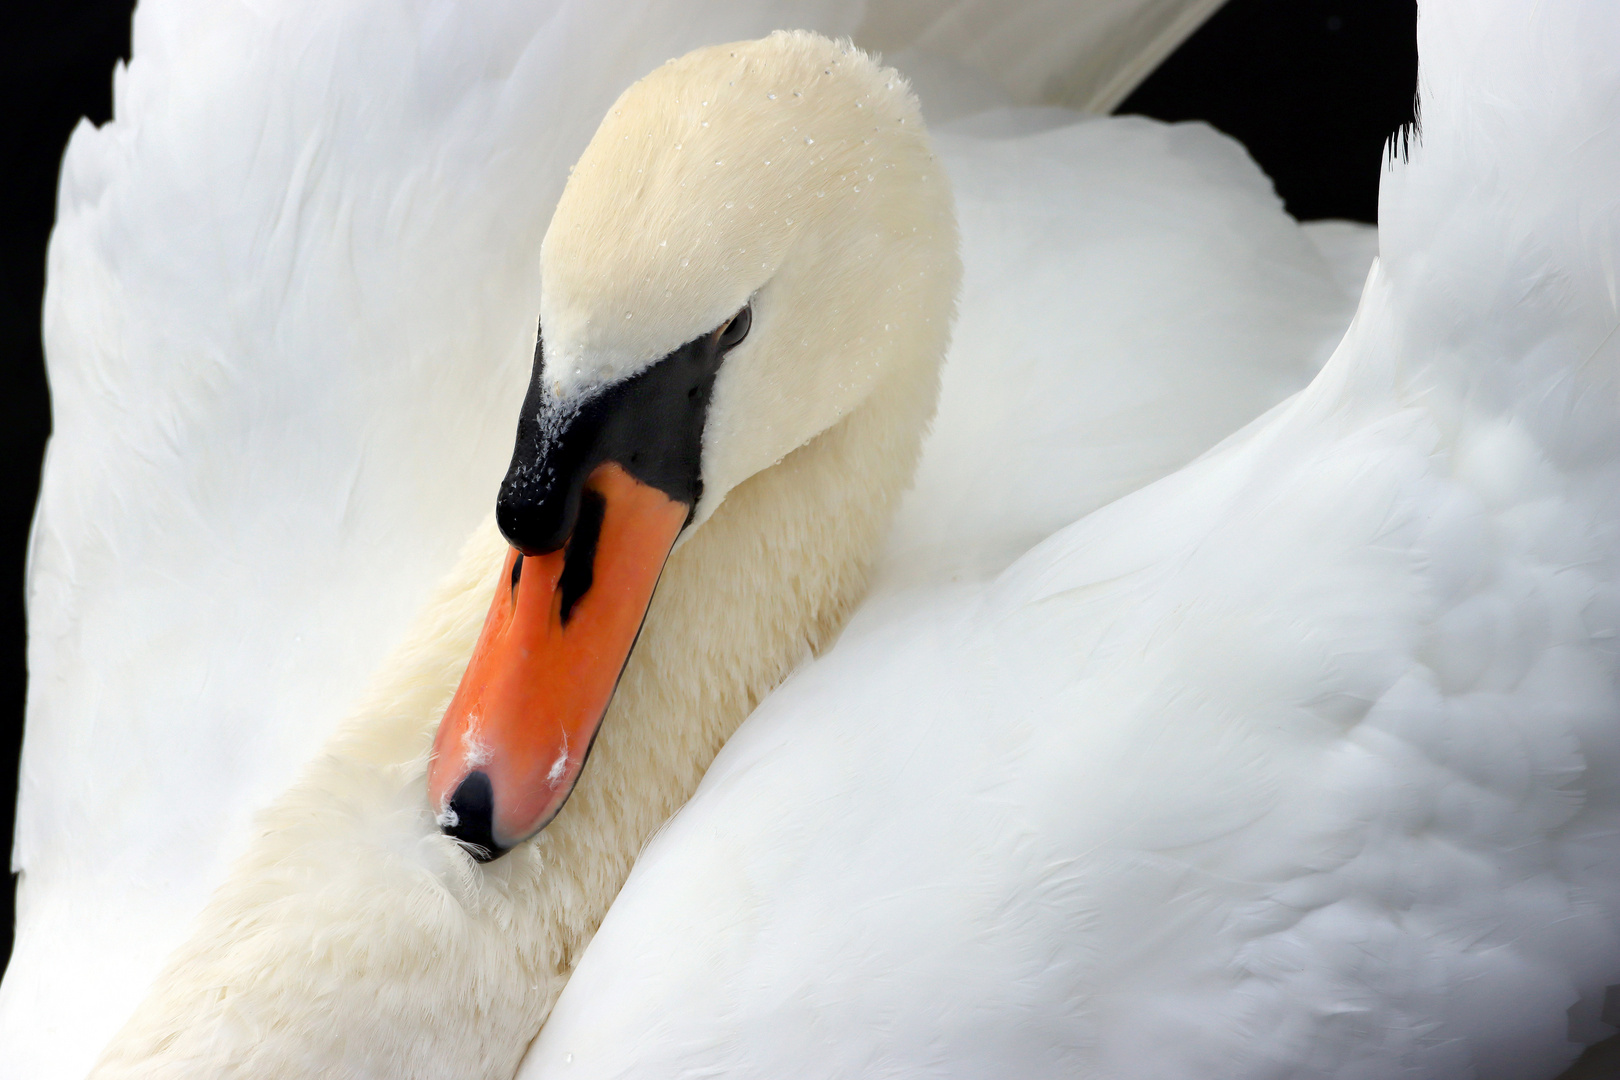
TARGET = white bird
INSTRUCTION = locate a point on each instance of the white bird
(313, 954)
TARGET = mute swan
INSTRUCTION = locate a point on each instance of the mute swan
(1291, 762)
(425, 695)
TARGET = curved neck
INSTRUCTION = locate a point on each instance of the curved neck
(353, 932)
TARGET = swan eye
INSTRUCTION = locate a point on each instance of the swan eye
(735, 329)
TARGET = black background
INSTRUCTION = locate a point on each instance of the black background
(1312, 87)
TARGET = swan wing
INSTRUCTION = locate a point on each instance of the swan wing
(1133, 293)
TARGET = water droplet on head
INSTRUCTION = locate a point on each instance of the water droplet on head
(771, 96)
(808, 141)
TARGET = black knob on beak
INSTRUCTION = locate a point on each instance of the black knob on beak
(650, 424)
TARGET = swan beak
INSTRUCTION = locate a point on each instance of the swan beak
(514, 739)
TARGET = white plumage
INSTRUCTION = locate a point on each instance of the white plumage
(1290, 764)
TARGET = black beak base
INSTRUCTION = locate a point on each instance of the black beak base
(651, 425)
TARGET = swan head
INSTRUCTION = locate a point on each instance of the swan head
(756, 241)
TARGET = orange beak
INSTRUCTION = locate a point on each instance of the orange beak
(559, 631)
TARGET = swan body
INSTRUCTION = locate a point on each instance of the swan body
(312, 955)
(1298, 762)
